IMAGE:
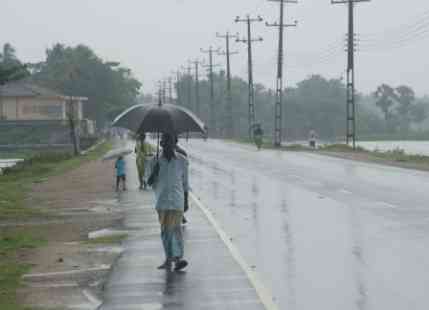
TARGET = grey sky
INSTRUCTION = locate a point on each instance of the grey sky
(155, 37)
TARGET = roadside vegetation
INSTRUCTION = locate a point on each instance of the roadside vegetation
(15, 183)
(396, 155)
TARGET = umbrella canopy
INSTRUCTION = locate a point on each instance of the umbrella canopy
(113, 154)
(165, 118)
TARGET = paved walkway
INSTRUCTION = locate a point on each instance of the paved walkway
(213, 279)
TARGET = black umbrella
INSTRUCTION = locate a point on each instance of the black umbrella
(165, 118)
(159, 118)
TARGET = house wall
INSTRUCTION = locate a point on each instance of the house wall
(37, 109)
(40, 109)
(9, 108)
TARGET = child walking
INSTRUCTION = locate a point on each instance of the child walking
(120, 173)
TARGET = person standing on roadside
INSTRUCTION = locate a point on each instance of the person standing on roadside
(142, 150)
(169, 179)
(120, 173)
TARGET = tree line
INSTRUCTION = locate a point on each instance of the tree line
(315, 103)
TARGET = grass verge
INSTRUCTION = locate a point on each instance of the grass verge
(14, 186)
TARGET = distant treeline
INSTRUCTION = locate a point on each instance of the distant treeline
(315, 103)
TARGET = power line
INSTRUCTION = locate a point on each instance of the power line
(248, 20)
(278, 113)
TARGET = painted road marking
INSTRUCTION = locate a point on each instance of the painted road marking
(344, 191)
(92, 298)
(263, 293)
(386, 204)
(103, 267)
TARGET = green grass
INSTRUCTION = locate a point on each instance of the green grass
(10, 269)
(108, 240)
(14, 186)
(340, 148)
(16, 181)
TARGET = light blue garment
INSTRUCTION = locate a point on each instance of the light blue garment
(171, 183)
(120, 167)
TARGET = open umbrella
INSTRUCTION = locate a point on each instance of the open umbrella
(165, 118)
(114, 154)
(159, 118)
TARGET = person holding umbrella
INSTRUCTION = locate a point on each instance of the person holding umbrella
(142, 150)
(169, 179)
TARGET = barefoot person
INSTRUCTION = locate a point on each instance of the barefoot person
(169, 179)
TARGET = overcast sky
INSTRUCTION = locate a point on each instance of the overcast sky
(155, 37)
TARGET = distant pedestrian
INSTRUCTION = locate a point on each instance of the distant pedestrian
(142, 151)
(312, 138)
(258, 135)
(169, 179)
(120, 173)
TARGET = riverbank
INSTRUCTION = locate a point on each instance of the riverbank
(48, 207)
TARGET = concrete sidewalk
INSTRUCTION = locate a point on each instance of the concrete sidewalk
(214, 278)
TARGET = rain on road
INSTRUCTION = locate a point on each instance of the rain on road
(321, 232)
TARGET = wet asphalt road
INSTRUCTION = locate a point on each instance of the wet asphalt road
(323, 233)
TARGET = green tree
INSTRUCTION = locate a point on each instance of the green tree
(78, 71)
(385, 96)
(405, 96)
(11, 68)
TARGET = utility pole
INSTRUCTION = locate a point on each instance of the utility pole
(170, 90)
(230, 121)
(351, 106)
(248, 20)
(197, 64)
(278, 113)
(210, 66)
(178, 91)
(164, 91)
(159, 93)
(188, 69)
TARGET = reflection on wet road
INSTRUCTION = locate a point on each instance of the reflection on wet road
(323, 233)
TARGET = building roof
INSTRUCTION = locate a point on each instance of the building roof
(28, 89)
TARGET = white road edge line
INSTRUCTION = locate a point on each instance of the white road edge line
(92, 298)
(263, 293)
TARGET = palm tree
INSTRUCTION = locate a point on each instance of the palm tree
(386, 97)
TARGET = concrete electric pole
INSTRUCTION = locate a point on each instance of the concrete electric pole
(230, 132)
(248, 20)
(210, 66)
(278, 113)
(351, 106)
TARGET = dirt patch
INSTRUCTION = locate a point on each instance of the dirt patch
(67, 271)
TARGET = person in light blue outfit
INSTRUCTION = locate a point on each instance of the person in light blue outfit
(120, 173)
(169, 180)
